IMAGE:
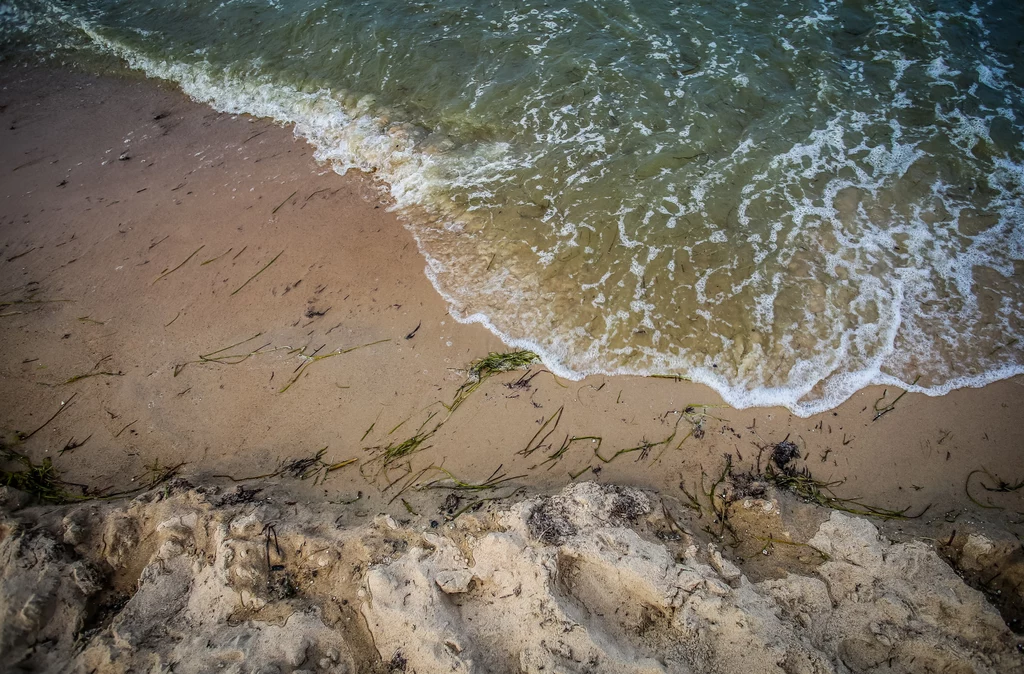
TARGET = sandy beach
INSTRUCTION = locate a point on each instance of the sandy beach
(132, 219)
(190, 289)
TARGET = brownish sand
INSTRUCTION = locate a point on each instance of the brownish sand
(131, 220)
(140, 231)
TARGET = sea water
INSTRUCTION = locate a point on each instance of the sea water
(786, 200)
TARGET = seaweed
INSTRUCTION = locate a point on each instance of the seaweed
(80, 377)
(94, 372)
(262, 269)
(472, 505)
(1000, 486)
(573, 476)
(11, 303)
(221, 358)
(23, 254)
(397, 450)
(210, 356)
(165, 274)
(496, 479)
(645, 446)
(125, 428)
(44, 482)
(41, 480)
(312, 467)
(534, 444)
(22, 437)
(300, 469)
(692, 502)
(307, 361)
(214, 259)
(483, 368)
(480, 371)
(284, 202)
(720, 512)
(555, 456)
(71, 445)
(785, 476)
(673, 377)
(882, 411)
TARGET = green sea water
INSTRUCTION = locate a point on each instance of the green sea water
(785, 200)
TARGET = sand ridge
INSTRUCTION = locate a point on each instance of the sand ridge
(200, 579)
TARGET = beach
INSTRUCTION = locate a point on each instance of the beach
(112, 185)
(190, 292)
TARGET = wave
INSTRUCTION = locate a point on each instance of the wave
(779, 259)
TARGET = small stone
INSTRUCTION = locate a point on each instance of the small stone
(688, 581)
(729, 572)
(12, 499)
(454, 582)
(246, 525)
(717, 587)
(975, 548)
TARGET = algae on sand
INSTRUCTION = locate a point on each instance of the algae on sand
(483, 368)
(38, 479)
(479, 371)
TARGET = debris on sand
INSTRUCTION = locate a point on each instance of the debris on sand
(785, 453)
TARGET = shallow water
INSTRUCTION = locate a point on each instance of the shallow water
(784, 200)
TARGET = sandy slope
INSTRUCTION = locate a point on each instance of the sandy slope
(589, 580)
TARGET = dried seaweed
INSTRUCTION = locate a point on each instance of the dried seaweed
(262, 269)
(183, 263)
(307, 361)
(784, 475)
(882, 411)
(1000, 486)
(496, 479)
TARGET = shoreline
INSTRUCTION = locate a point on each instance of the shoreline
(201, 89)
(231, 198)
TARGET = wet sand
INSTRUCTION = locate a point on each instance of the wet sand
(136, 230)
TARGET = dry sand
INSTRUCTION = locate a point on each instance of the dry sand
(596, 579)
(131, 226)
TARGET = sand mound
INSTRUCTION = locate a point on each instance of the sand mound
(197, 580)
